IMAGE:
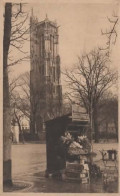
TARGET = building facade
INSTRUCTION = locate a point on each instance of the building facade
(45, 84)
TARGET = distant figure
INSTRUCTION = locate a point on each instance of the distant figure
(15, 131)
(61, 157)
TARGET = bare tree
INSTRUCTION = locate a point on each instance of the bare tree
(19, 34)
(21, 100)
(17, 117)
(24, 95)
(6, 103)
(67, 103)
(111, 33)
(13, 85)
(88, 81)
(13, 34)
(23, 103)
(16, 114)
(108, 113)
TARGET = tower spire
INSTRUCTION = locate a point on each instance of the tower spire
(46, 16)
(32, 11)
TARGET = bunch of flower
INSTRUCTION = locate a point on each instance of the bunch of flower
(83, 140)
(67, 139)
(80, 146)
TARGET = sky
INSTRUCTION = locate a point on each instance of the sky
(79, 31)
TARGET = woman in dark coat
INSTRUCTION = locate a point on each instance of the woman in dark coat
(60, 150)
(61, 154)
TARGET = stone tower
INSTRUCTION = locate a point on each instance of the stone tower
(46, 89)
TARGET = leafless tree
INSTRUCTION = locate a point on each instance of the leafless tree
(19, 34)
(90, 78)
(20, 107)
(111, 33)
(17, 116)
(67, 103)
(6, 103)
(108, 112)
(13, 85)
(14, 36)
(22, 101)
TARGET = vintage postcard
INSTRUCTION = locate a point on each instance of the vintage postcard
(60, 96)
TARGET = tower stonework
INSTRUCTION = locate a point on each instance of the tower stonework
(45, 84)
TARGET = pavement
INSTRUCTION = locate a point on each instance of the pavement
(29, 165)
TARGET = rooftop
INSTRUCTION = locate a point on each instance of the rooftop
(54, 24)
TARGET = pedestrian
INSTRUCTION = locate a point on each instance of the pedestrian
(61, 157)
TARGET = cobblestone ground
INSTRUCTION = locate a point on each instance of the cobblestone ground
(29, 165)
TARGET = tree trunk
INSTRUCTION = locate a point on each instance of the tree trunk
(116, 128)
(32, 125)
(20, 130)
(107, 131)
(90, 132)
(7, 179)
(95, 125)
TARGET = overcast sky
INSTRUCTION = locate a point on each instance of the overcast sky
(79, 31)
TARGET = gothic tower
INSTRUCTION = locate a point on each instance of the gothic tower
(46, 89)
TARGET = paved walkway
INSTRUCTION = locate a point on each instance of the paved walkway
(29, 165)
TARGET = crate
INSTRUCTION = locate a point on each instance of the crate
(85, 180)
(74, 167)
(73, 175)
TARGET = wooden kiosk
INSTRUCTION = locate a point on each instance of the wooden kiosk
(54, 130)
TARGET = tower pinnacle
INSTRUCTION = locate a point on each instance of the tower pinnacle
(46, 19)
(32, 11)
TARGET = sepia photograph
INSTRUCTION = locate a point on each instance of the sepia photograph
(60, 96)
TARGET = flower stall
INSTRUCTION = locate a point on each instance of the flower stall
(68, 149)
(78, 151)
